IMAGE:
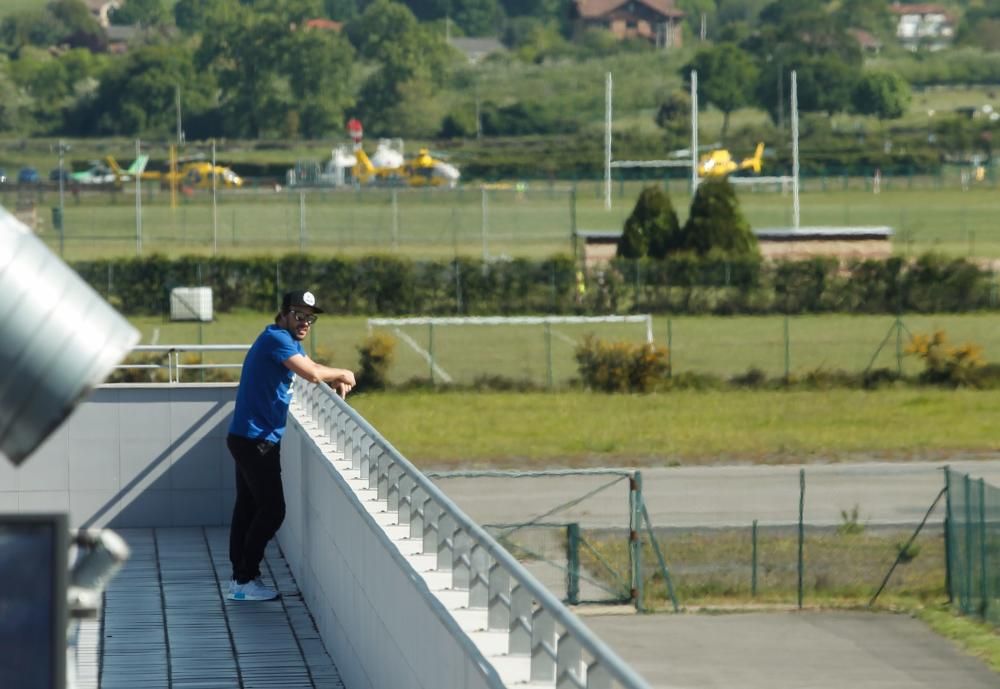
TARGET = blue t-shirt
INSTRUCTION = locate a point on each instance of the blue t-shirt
(265, 386)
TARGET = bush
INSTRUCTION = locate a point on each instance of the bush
(945, 364)
(621, 366)
(376, 356)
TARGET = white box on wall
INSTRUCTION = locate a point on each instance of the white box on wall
(191, 304)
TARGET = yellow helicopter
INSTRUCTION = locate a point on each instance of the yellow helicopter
(720, 162)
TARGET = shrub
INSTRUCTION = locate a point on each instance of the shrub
(376, 356)
(621, 366)
(945, 364)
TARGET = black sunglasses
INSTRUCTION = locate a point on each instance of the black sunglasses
(302, 317)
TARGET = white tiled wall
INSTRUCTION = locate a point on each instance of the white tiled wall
(133, 456)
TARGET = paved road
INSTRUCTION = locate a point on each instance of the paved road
(790, 650)
(884, 492)
(773, 650)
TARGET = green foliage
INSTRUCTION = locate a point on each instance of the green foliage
(376, 355)
(621, 366)
(679, 283)
(944, 364)
(850, 522)
(716, 222)
(885, 95)
(726, 76)
(652, 226)
(144, 12)
(673, 116)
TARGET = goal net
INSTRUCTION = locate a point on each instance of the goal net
(533, 349)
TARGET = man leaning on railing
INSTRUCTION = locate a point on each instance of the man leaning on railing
(254, 440)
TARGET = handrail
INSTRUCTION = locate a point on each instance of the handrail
(461, 545)
(174, 365)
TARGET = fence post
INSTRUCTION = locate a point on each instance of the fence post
(802, 502)
(670, 349)
(753, 560)
(788, 353)
(635, 545)
(967, 584)
(949, 552)
(548, 354)
(430, 348)
(573, 563)
(983, 576)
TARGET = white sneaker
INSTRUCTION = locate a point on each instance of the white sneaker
(252, 590)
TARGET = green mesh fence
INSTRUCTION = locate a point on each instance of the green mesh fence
(973, 546)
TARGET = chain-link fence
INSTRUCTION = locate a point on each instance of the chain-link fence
(973, 546)
(824, 537)
(520, 219)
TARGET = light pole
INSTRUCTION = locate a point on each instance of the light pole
(63, 147)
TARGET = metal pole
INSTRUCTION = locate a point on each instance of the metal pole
(635, 545)
(694, 131)
(483, 227)
(62, 204)
(138, 207)
(607, 141)
(788, 353)
(795, 152)
(573, 563)
(302, 221)
(395, 220)
(753, 560)
(670, 348)
(949, 550)
(430, 348)
(967, 584)
(984, 575)
(215, 206)
(548, 353)
(802, 534)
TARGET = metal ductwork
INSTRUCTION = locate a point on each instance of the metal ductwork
(58, 339)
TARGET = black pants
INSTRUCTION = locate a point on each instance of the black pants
(260, 503)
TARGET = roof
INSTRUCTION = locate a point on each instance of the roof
(591, 9)
(323, 24)
(923, 8)
(865, 39)
(476, 48)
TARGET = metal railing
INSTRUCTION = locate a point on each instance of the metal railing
(174, 364)
(562, 650)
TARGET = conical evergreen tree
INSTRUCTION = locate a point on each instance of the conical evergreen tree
(716, 222)
(651, 228)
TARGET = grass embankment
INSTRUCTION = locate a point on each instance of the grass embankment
(682, 427)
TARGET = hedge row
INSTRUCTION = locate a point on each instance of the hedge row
(392, 285)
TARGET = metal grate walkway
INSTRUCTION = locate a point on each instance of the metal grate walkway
(168, 625)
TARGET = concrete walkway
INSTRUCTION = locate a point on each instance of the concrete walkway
(790, 650)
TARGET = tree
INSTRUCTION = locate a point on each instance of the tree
(883, 94)
(317, 64)
(651, 228)
(136, 96)
(144, 12)
(726, 75)
(674, 118)
(716, 222)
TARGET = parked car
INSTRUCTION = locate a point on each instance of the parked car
(54, 175)
(28, 175)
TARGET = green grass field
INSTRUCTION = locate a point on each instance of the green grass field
(686, 426)
(923, 214)
(722, 346)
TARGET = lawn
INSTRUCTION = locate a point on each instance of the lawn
(924, 213)
(680, 426)
(721, 346)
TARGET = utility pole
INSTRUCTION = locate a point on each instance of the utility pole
(177, 107)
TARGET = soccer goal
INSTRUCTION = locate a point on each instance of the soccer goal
(538, 350)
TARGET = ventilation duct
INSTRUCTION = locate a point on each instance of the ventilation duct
(58, 339)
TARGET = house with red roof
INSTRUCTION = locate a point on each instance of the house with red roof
(658, 21)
